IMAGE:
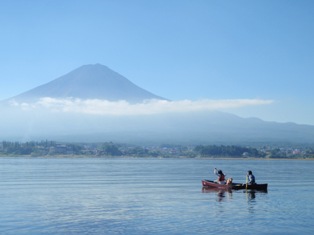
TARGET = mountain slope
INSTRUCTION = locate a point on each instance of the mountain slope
(183, 128)
(89, 82)
(31, 122)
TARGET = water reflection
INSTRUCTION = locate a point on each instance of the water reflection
(251, 195)
(222, 194)
(251, 200)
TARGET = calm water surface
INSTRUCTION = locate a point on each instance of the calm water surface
(152, 196)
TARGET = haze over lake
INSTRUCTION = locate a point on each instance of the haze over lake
(95, 103)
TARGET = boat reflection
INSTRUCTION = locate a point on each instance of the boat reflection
(250, 194)
(221, 193)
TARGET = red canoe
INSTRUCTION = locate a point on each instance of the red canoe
(235, 186)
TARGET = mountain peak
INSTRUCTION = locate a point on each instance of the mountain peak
(92, 81)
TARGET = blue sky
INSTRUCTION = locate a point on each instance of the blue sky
(179, 49)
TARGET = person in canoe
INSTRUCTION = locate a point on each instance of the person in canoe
(250, 178)
(221, 176)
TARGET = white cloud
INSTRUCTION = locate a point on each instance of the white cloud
(149, 107)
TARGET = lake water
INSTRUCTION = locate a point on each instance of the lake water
(152, 196)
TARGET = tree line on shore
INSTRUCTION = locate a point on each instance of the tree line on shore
(52, 148)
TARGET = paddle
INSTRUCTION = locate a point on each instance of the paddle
(247, 178)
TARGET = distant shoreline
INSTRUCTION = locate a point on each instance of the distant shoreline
(147, 157)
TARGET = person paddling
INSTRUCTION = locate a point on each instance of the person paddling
(221, 176)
